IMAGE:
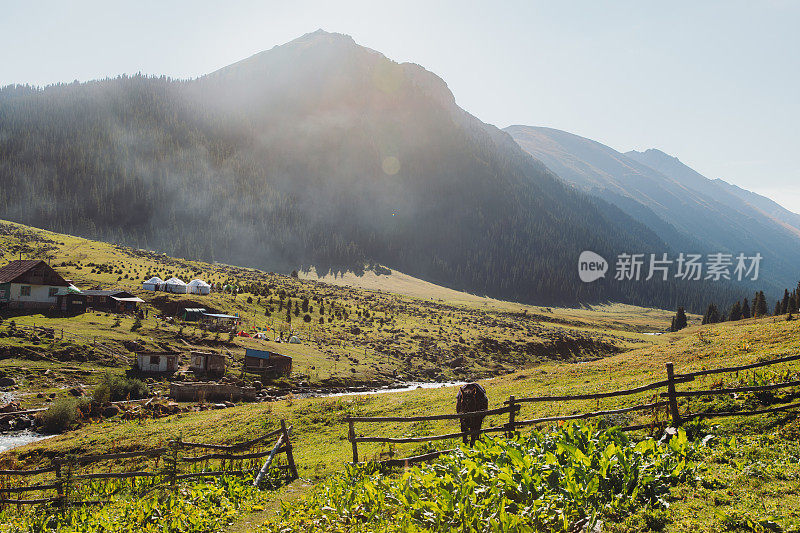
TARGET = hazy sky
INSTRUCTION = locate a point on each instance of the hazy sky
(713, 83)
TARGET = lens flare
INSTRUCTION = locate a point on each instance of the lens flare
(391, 165)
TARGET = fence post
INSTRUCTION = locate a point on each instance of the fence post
(289, 453)
(265, 468)
(172, 463)
(67, 484)
(512, 415)
(351, 436)
(59, 484)
(673, 399)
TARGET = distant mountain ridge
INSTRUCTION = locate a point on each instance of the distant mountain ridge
(691, 212)
(671, 166)
(317, 152)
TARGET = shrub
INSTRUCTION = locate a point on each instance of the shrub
(548, 481)
(63, 415)
(118, 388)
(137, 324)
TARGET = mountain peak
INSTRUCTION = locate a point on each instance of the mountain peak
(654, 153)
(321, 35)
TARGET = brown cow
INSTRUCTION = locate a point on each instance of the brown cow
(471, 398)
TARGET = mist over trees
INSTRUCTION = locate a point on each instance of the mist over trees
(318, 152)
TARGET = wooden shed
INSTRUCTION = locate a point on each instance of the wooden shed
(218, 321)
(207, 363)
(158, 362)
(265, 362)
(114, 300)
(72, 303)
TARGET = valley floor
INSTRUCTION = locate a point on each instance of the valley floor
(759, 478)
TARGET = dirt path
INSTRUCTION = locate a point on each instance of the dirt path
(251, 522)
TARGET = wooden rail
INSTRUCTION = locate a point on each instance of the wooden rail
(66, 478)
(401, 440)
(239, 446)
(732, 390)
(24, 412)
(602, 395)
(90, 459)
(595, 414)
(354, 440)
(457, 416)
(712, 414)
(740, 368)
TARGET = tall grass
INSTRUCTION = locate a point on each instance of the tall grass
(63, 414)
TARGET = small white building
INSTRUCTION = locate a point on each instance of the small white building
(153, 284)
(175, 285)
(198, 286)
(158, 362)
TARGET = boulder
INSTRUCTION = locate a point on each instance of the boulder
(111, 410)
(10, 407)
(456, 362)
(133, 346)
(76, 391)
(7, 382)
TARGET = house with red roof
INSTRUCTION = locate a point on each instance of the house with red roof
(31, 284)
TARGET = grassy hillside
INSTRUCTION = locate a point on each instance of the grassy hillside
(752, 478)
(727, 491)
(349, 335)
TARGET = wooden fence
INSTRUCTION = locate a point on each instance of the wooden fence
(354, 440)
(669, 404)
(58, 483)
(59, 333)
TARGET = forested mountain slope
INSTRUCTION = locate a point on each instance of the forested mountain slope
(318, 152)
(691, 212)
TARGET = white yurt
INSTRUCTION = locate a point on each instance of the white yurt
(198, 286)
(175, 285)
(153, 284)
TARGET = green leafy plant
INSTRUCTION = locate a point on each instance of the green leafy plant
(546, 481)
(194, 508)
